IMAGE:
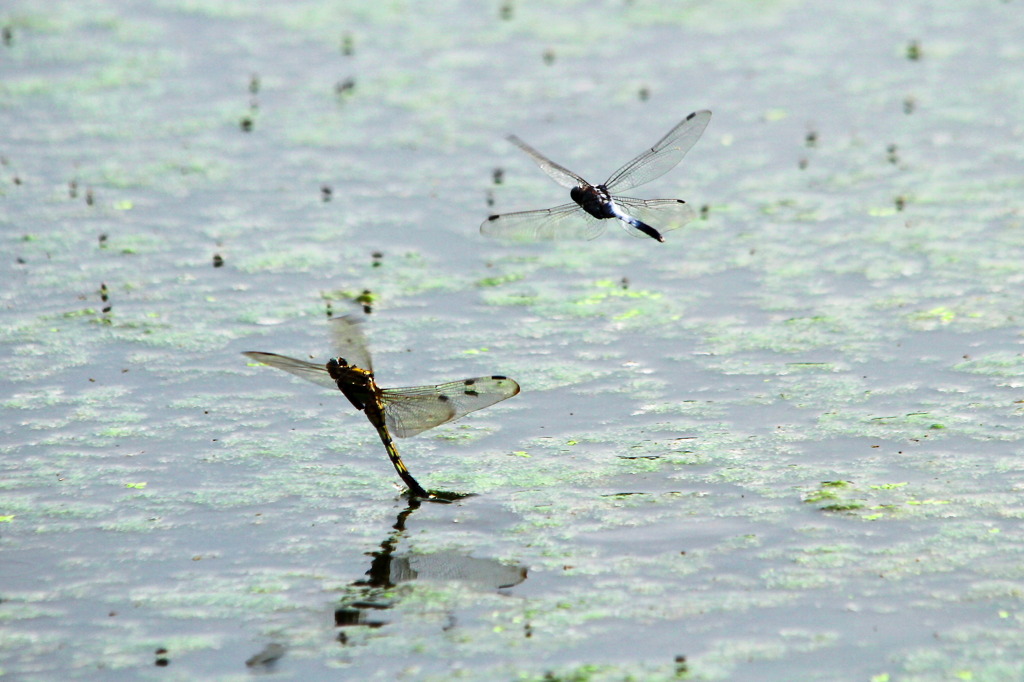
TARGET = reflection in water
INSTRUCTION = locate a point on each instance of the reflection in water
(388, 569)
(267, 657)
(484, 574)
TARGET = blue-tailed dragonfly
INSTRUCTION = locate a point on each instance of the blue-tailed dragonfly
(594, 204)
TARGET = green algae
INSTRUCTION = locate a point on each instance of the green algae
(669, 473)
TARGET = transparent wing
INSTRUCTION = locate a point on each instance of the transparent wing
(563, 176)
(307, 370)
(661, 214)
(567, 221)
(408, 411)
(348, 341)
(663, 156)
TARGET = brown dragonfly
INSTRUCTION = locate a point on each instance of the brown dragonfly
(593, 204)
(400, 411)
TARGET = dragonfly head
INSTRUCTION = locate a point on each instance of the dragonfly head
(341, 370)
(334, 366)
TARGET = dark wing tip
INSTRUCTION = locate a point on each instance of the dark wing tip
(494, 217)
(498, 377)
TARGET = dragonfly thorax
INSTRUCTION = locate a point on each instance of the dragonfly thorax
(356, 384)
(596, 201)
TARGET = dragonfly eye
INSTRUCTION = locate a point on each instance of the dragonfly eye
(334, 365)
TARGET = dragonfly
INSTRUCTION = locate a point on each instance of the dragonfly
(594, 204)
(400, 411)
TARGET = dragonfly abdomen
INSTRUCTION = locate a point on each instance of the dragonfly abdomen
(644, 227)
(389, 445)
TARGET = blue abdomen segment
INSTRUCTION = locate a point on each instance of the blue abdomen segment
(643, 227)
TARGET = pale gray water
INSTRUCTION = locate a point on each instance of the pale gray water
(787, 449)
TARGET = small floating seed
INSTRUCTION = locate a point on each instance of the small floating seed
(892, 156)
(366, 299)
